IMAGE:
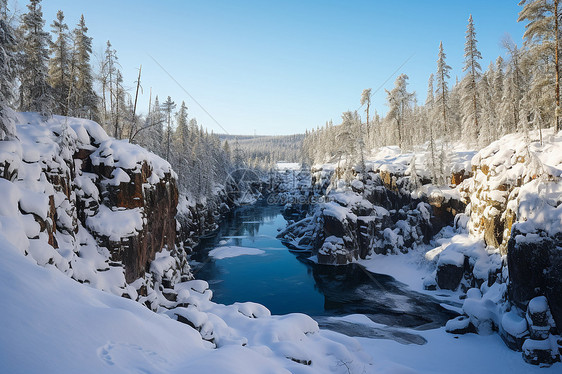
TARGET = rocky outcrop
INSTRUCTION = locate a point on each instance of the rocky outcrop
(105, 209)
(535, 268)
(374, 214)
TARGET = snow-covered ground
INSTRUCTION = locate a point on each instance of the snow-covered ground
(54, 324)
(282, 166)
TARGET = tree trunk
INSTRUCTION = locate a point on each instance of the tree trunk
(557, 68)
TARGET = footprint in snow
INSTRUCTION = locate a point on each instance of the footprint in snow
(132, 358)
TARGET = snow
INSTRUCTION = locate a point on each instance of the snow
(548, 344)
(70, 327)
(537, 304)
(116, 224)
(282, 166)
(119, 176)
(514, 324)
(451, 258)
(337, 211)
(446, 353)
(220, 253)
(34, 202)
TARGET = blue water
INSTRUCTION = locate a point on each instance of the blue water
(276, 279)
(286, 283)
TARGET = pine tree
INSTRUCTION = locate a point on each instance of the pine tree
(488, 120)
(542, 36)
(431, 158)
(59, 65)
(154, 134)
(85, 100)
(512, 91)
(442, 90)
(182, 129)
(168, 106)
(35, 92)
(366, 99)
(470, 105)
(107, 77)
(7, 73)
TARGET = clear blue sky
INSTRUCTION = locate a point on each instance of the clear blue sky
(280, 67)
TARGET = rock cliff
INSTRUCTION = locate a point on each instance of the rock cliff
(99, 209)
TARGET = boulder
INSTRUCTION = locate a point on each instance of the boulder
(514, 330)
(460, 325)
(535, 268)
(450, 270)
(540, 352)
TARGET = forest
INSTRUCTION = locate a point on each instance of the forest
(55, 73)
(519, 93)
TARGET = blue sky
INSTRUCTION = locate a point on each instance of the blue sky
(280, 67)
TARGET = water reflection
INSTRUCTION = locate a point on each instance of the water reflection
(287, 283)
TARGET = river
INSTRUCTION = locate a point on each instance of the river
(285, 282)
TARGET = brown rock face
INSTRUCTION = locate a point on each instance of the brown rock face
(158, 203)
(458, 177)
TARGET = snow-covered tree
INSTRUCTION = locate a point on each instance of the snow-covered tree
(488, 120)
(168, 106)
(182, 126)
(35, 92)
(542, 37)
(7, 73)
(470, 106)
(414, 181)
(59, 65)
(366, 99)
(512, 92)
(399, 101)
(152, 136)
(107, 75)
(431, 158)
(84, 99)
(442, 89)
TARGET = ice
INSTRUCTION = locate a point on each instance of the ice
(220, 253)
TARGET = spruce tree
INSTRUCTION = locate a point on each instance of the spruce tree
(35, 92)
(7, 73)
(168, 106)
(431, 158)
(366, 99)
(59, 65)
(182, 130)
(470, 105)
(512, 92)
(542, 36)
(442, 89)
(85, 100)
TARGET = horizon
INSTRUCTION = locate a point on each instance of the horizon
(282, 69)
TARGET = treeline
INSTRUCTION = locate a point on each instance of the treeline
(263, 152)
(515, 94)
(52, 73)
